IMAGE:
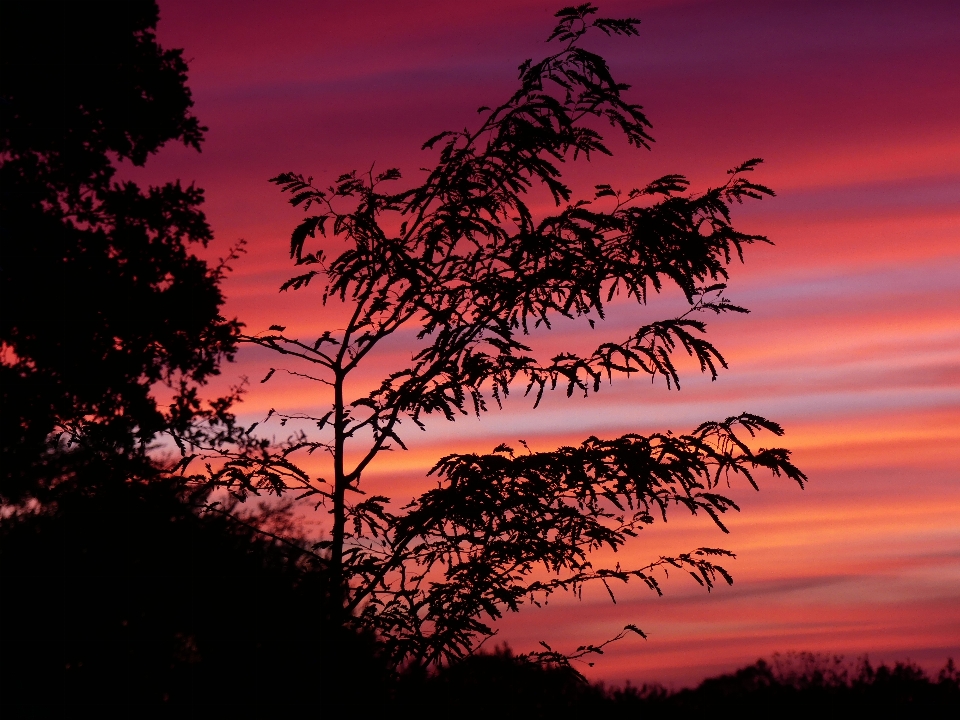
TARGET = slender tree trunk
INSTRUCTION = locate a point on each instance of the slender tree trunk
(339, 509)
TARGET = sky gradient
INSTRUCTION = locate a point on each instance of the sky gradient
(853, 342)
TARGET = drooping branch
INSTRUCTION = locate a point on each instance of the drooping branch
(503, 529)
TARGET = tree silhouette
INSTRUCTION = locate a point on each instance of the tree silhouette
(117, 594)
(462, 261)
(102, 297)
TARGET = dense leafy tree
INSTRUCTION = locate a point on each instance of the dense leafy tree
(102, 297)
(118, 596)
(461, 264)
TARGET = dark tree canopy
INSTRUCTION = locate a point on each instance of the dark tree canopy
(464, 267)
(101, 294)
(118, 596)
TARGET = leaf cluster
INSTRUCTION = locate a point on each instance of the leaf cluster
(505, 528)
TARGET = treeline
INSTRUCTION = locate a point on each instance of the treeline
(499, 684)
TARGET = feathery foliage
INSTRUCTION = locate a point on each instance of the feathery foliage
(463, 261)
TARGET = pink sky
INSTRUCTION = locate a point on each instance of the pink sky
(854, 339)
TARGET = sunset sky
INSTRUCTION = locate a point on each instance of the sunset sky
(853, 343)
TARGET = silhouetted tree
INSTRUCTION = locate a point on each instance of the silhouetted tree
(101, 296)
(461, 264)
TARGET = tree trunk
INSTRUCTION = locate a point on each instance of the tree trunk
(339, 490)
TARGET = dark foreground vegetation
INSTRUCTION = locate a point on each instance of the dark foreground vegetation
(131, 601)
(127, 598)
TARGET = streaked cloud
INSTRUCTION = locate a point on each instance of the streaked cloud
(853, 342)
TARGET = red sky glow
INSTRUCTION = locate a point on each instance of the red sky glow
(853, 342)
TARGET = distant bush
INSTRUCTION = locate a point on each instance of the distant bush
(798, 684)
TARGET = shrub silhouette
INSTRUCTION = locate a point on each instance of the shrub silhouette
(128, 599)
